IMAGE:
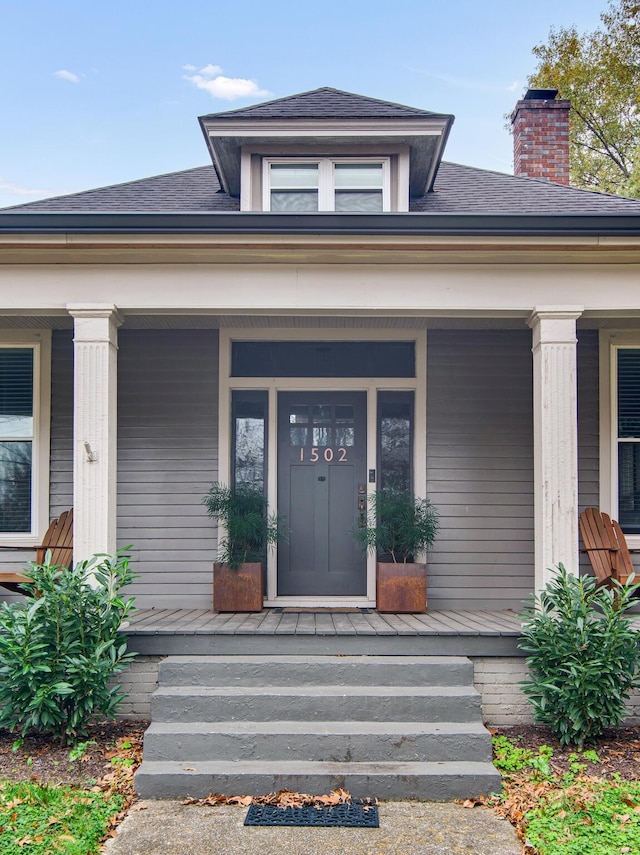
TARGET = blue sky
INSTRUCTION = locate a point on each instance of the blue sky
(96, 93)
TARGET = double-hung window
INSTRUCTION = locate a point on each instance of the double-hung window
(25, 365)
(628, 437)
(16, 438)
(301, 185)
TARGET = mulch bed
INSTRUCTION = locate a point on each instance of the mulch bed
(47, 762)
(618, 750)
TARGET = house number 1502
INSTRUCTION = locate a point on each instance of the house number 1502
(340, 456)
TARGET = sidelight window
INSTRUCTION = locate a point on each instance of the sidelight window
(395, 440)
(249, 413)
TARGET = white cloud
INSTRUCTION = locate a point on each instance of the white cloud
(210, 70)
(189, 67)
(63, 74)
(17, 190)
(212, 81)
(513, 86)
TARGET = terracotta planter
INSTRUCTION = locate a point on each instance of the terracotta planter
(401, 587)
(237, 590)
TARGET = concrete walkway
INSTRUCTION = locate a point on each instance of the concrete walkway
(406, 828)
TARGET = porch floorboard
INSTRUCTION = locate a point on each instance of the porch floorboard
(171, 631)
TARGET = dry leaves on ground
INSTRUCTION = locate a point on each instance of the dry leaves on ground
(283, 799)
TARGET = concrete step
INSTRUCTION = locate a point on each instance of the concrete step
(312, 670)
(336, 741)
(318, 702)
(392, 780)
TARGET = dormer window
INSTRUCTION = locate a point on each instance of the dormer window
(326, 184)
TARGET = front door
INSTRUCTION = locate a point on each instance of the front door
(321, 493)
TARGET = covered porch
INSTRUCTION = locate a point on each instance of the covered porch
(138, 421)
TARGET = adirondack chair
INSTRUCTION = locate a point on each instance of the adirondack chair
(59, 539)
(605, 544)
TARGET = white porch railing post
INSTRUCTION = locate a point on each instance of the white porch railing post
(555, 439)
(94, 428)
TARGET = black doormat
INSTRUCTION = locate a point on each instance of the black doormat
(355, 814)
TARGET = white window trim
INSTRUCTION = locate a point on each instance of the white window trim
(40, 342)
(371, 385)
(326, 179)
(610, 343)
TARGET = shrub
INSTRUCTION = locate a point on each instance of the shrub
(398, 526)
(60, 648)
(249, 528)
(583, 656)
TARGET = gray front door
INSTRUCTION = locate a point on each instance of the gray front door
(321, 492)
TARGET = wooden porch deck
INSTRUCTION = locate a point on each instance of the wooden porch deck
(165, 631)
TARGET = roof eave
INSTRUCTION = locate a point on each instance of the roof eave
(425, 136)
(507, 225)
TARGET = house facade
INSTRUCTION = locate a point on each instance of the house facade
(327, 308)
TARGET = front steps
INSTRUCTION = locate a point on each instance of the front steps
(394, 727)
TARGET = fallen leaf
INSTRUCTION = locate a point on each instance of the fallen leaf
(243, 801)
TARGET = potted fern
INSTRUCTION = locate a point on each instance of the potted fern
(247, 530)
(399, 528)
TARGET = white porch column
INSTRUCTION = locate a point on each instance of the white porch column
(94, 428)
(555, 439)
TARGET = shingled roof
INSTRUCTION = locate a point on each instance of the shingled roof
(457, 190)
(325, 103)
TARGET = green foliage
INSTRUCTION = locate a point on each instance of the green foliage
(600, 73)
(509, 758)
(398, 526)
(583, 656)
(42, 820)
(599, 818)
(540, 763)
(249, 528)
(78, 751)
(60, 648)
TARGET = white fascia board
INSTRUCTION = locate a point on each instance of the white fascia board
(327, 128)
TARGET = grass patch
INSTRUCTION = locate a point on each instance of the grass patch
(599, 818)
(45, 820)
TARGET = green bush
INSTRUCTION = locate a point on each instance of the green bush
(249, 528)
(60, 648)
(399, 526)
(583, 656)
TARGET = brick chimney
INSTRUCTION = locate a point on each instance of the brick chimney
(540, 125)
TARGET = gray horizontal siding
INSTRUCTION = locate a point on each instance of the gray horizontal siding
(167, 459)
(588, 427)
(61, 474)
(480, 467)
